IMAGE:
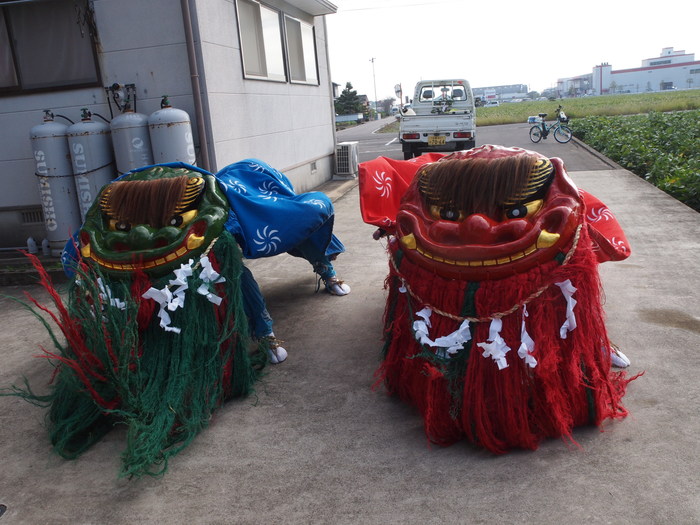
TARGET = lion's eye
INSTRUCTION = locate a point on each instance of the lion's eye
(183, 219)
(446, 213)
(516, 212)
(449, 214)
(119, 226)
(522, 211)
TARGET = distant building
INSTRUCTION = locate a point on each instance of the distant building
(670, 70)
(501, 93)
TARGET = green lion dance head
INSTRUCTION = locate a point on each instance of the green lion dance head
(153, 220)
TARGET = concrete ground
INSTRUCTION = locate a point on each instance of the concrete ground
(318, 444)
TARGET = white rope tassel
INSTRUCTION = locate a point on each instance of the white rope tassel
(527, 345)
(567, 290)
(496, 347)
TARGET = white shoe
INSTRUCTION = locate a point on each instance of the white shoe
(337, 287)
(275, 353)
(619, 359)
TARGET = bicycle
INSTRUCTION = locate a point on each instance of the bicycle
(562, 133)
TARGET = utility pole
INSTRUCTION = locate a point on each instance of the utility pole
(374, 78)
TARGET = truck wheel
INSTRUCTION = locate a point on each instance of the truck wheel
(412, 152)
(471, 144)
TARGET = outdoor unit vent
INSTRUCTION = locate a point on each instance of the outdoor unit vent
(32, 216)
(346, 163)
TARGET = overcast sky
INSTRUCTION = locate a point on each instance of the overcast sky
(499, 42)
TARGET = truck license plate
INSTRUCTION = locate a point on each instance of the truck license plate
(436, 140)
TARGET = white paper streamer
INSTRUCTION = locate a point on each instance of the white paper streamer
(567, 290)
(527, 345)
(449, 344)
(172, 296)
(106, 294)
(209, 276)
(496, 347)
(171, 300)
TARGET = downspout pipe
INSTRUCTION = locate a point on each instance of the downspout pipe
(196, 90)
(332, 101)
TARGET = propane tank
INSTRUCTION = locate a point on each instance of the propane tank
(131, 140)
(55, 177)
(91, 154)
(171, 134)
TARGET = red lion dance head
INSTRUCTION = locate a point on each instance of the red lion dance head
(494, 327)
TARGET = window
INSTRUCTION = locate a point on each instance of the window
(261, 41)
(301, 51)
(45, 45)
(276, 46)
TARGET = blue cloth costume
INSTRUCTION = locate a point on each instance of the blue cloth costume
(267, 218)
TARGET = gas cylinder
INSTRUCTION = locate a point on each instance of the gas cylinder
(131, 141)
(171, 134)
(92, 157)
(55, 178)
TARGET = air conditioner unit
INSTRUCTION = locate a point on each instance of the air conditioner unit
(346, 159)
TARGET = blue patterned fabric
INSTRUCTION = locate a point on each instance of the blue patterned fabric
(268, 218)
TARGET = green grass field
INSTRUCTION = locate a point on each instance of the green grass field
(608, 105)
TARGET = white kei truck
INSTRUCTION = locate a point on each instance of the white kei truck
(442, 117)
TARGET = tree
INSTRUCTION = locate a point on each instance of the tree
(348, 102)
(385, 105)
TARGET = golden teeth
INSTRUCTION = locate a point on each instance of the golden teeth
(409, 241)
(194, 241)
(546, 239)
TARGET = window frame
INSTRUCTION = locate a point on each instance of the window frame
(302, 25)
(286, 49)
(260, 31)
(59, 85)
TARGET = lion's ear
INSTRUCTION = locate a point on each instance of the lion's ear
(608, 239)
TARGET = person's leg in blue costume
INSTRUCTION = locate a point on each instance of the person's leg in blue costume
(322, 265)
(258, 316)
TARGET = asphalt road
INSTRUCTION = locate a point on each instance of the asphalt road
(576, 156)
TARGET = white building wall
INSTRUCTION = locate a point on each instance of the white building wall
(680, 76)
(289, 126)
(682, 72)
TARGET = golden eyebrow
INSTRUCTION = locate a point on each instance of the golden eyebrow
(150, 201)
(540, 175)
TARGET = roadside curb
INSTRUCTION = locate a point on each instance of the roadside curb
(336, 188)
(597, 154)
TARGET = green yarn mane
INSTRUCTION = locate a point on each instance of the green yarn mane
(119, 366)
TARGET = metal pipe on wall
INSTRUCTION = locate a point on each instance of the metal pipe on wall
(196, 90)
